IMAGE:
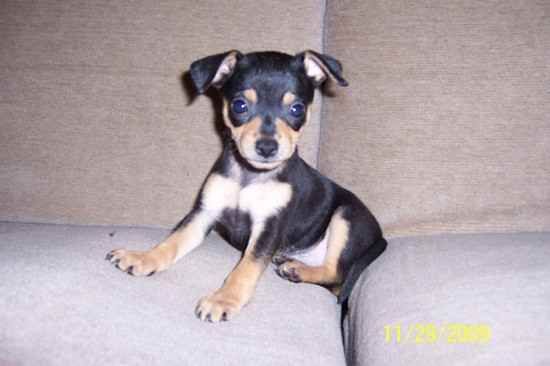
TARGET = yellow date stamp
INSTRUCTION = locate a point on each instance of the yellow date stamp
(430, 333)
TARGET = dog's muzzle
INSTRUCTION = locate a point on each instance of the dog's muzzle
(266, 147)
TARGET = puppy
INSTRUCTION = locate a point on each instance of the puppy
(261, 194)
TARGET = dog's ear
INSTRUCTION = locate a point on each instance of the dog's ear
(213, 70)
(319, 67)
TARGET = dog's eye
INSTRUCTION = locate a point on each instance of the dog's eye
(297, 110)
(239, 106)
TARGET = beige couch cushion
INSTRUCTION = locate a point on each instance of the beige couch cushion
(437, 289)
(446, 124)
(96, 127)
(62, 304)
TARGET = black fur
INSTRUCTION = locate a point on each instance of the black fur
(305, 220)
(315, 198)
(203, 71)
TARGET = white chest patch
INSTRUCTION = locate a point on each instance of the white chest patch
(263, 200)
(219, 193)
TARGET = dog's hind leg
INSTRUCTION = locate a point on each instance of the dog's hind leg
(329, 273)
(353, 243)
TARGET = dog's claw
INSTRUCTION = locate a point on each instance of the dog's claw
(198, 311)
(134, 263)
(289, 274)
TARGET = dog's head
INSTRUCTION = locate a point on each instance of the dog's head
(266, 98)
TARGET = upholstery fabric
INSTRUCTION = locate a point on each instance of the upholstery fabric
(63, 304)
(96, 125)
(500, 280)
(446, 124)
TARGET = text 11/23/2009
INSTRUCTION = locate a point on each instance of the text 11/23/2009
(430, 333)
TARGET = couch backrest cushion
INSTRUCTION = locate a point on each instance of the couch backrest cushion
(446, 123)
(95, 125)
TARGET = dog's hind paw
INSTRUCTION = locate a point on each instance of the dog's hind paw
(290, 270)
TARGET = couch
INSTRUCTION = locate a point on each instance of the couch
(444, 132)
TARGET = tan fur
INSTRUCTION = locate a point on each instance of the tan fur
(249, 131)
(286, 137)
(225, 111)
(247, 134)
(238, 287)
(251, 95)
(245, 137)
(236, 292)
(328, 273)
(288, 98)
(219, 193)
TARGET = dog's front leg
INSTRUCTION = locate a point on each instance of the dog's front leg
(217, 194)
(236, 291)
(240, 284)
(181, 241)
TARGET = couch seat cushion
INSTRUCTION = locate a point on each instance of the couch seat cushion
(63, 304)
(501, 281)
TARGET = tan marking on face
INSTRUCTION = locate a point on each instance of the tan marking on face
(287, 138)
(246, 135)
(288, 98)
(250, 129)
(225, 110)
(251, 95)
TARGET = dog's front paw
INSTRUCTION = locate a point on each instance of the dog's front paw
(219, 306)
(290, 270)
(133, 262)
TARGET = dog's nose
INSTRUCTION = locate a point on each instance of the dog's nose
(266, 147)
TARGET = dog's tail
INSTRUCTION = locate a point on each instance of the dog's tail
(359, 266)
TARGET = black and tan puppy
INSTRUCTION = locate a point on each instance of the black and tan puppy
(262, 194)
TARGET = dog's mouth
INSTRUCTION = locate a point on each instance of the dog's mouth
(252, 157)
(264, 164)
